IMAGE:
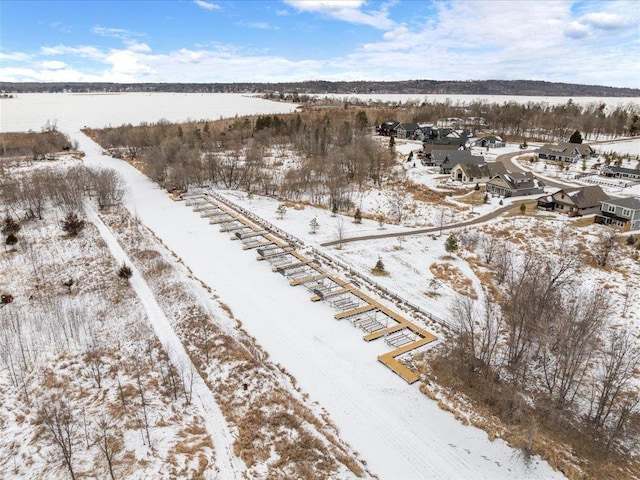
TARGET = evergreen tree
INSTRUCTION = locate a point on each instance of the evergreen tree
(10, 226)
(576, 137)
(72, 224)
(314, 224)
(357, 218)
(451, 245)
(523, 208)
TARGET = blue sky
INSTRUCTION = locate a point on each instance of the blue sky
(591, 42)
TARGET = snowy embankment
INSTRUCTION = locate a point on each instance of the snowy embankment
(227, 464)
(400, 432)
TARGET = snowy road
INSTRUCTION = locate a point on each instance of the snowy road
(399, 431)
(228, 466)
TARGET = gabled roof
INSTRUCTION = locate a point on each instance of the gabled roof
(632, 203)
(518, 180)
(452, 157)
(409, 127)
(472, 170)
(566, 149)
(585, 197)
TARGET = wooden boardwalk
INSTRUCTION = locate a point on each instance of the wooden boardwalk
(330, 287)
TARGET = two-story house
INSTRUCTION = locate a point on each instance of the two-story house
(574, 201)
(623, 212)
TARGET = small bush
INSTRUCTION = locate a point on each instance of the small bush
(631, 240)
(10, 226)
(125, 271)
(72, 224)
(357, 218)
(11, 239)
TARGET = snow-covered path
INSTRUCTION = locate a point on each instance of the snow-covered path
(228, 465)
(399, 431)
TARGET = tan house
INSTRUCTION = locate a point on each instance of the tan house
(575, 201)
(472, 173)
(514, 184)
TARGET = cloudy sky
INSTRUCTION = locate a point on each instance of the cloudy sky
(590, 42)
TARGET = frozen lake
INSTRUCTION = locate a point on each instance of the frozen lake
(72, 111)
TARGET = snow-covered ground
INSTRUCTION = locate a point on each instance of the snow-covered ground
(397, 430)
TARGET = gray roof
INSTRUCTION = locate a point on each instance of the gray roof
(565, 149)
(585, 197)
(473, 170)
(632, 203)
(452, 157)
(519, 180)
(614, 169)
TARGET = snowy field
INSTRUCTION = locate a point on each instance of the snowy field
(395, 428)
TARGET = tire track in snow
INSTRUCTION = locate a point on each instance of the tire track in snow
(228, 465)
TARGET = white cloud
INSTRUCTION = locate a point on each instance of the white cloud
(81, 51)
(206, 5)
(54, 65)
(120, 33)
(605, 21)
(347, 11)
(15, 56)
(138, 47)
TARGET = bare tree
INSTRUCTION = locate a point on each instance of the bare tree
(614, 373)
(606, 243)
(60, 425)
(109, 187)
(108, 443)
(340, 232)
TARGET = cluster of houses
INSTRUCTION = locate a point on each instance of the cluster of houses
(449, 149)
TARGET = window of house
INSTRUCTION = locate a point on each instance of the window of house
(626, 212)
(611, 208)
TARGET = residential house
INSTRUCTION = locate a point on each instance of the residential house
(406, 130)
(620, 172)
(514, 184)
(447, 159)
(453, 122)
(387, 128)
(428, 149)
(474, 173)
(574, 201)
(565, 152)
(623, 212)
(489, 141)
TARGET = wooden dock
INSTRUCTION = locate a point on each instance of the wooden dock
(365, 316)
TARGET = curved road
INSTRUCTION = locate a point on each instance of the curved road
(505, 159)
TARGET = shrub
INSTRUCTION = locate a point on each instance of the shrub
(631, 240)
(357, 218)
(72, 224)
(451, 245)
(10, 226)
(11, 239)
(125, 271)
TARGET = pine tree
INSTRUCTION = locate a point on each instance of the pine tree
(10, 226)
(72, 224)
(576, 137)
(281, 211)
(357, 218)
(125, 271)
(314, 225)
(451, 245)
(523, 208)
